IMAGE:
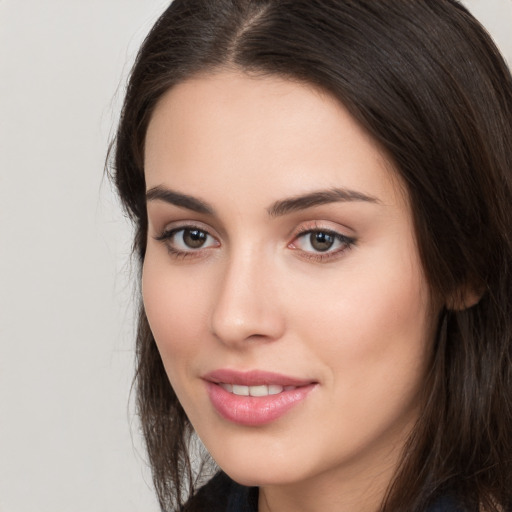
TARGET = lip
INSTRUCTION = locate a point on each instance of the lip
(253, 378)
(255, 410)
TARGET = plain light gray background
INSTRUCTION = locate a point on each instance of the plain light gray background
(66, 321)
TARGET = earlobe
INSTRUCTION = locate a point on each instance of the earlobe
(464, 297)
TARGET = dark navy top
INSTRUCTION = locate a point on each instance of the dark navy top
(221, 494)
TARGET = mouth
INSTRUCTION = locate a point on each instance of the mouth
(263, 390)
(254, 398)
(275, 382)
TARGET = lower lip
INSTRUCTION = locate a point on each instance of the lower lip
(254, 411)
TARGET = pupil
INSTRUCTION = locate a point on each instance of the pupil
(321, 241)
(194, 238)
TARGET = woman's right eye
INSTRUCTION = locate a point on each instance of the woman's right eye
(187, 240)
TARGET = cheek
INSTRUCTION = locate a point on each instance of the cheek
(376, 347)
(371, 326)
(175, 305)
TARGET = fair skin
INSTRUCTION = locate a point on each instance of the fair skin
(329, 291)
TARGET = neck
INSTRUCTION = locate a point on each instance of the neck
(357, 486)
(326, 497)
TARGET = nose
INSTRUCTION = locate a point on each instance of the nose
(246, 306)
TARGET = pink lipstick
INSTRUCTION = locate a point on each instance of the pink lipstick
(254, 398)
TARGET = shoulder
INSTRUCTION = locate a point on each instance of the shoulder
(221, 494)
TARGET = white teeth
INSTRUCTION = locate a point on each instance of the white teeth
(240, 390)
(263, 390)
(258, 390)
(274, 389)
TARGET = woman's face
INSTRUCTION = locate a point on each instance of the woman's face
(281, 264)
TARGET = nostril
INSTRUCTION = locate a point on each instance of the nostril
(256, 324)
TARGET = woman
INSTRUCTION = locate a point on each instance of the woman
(321, 192)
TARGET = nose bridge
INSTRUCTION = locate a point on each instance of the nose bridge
(246, 305)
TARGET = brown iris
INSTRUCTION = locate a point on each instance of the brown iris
(194, 238)
(321, 241)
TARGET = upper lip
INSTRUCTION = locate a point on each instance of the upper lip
(253, 378)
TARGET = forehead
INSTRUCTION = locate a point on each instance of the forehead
(248, 131)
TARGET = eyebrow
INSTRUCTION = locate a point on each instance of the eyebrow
(277, 209)
(178, 199)
(302, 202)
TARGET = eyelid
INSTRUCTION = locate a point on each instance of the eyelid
(170, 230)
(168, 233)
(184, 224)
(322, 256)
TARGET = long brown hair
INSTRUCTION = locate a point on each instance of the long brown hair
(426, 81)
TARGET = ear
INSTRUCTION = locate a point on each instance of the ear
(464, 297)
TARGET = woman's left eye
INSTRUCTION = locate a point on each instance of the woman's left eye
(321, 242)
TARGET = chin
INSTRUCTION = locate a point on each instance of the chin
(250, 477)
(264, 467)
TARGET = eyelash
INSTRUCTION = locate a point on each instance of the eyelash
(167, 236)
(347, 243)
